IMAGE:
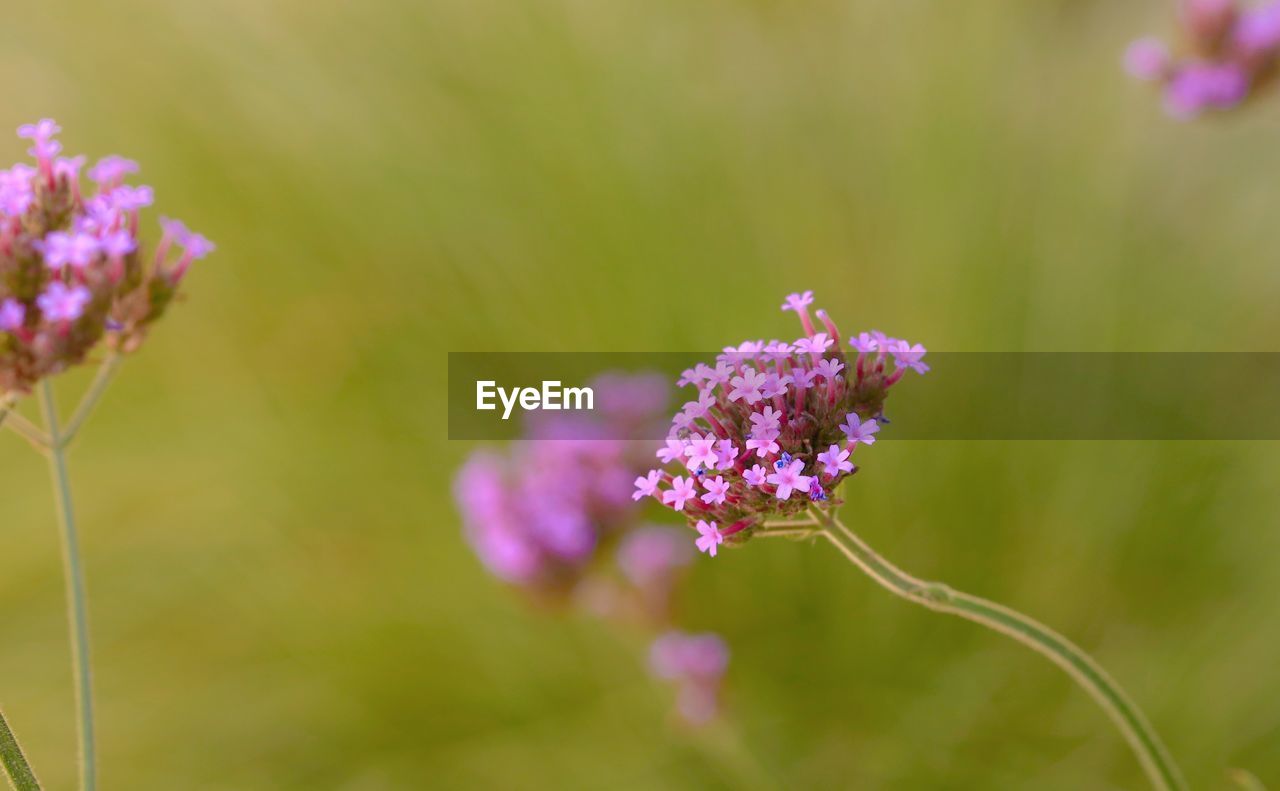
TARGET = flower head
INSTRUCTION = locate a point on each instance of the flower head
(795, 410)
(69, 262)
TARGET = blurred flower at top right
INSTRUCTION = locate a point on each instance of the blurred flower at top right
(1228, 54)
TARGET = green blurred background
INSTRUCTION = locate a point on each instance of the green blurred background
(280, 594)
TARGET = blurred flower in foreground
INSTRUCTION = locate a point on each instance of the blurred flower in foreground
(1229, 55)
(72, 268)
(696, 663)
(774, 425)
(556, 516)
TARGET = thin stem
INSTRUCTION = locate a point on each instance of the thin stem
(1151, 753)
(97, 387)
(29, 431)
(20, 425)
(786, 530)
(14, 762)
(77, 610)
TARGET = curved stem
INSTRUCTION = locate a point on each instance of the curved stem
(1150, 751)
(77, 610)
(14, 762)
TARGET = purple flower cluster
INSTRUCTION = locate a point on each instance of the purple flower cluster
(696, 663)
(1230, 54)
(555, 515)
(71, 265)
(773, 425)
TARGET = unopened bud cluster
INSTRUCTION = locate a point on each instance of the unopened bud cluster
(72, 267)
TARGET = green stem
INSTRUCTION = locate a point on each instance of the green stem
(77, 610)
(97, 387)
(1151, 753)
(14, 762)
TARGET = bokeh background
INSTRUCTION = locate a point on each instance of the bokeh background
(280, 594)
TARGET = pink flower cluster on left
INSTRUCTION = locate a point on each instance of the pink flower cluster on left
(71, 264)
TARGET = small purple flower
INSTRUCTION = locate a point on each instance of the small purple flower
(747, 387)
(111, 170)
(717, 490)
(683, 421)
(798, 302)
(829, 369)
(755, 476)
(719, 375)
(680, 491)
(126, 198)
(774, 385)
(726, 454)
(701, 451)
(835, 460)
(62, 303)
(709, 537)
(68, 167)
(647, 485)
(76, 249)
(804, 378)
(673, 450)
(765, 420)
(118, 244)
(864, 343)
(12, 314)
(815, 346)
(776, 351)
(763, 442)
(907, 356)
(700, 408)
(788, 478)
(859, 430)
(44, 148)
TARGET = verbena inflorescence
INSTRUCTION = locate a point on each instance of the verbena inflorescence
(72, 268)
(773, 425)
(1229, 53)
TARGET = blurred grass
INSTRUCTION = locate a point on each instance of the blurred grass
(280, 596)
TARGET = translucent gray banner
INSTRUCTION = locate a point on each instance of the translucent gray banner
(965, 396)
